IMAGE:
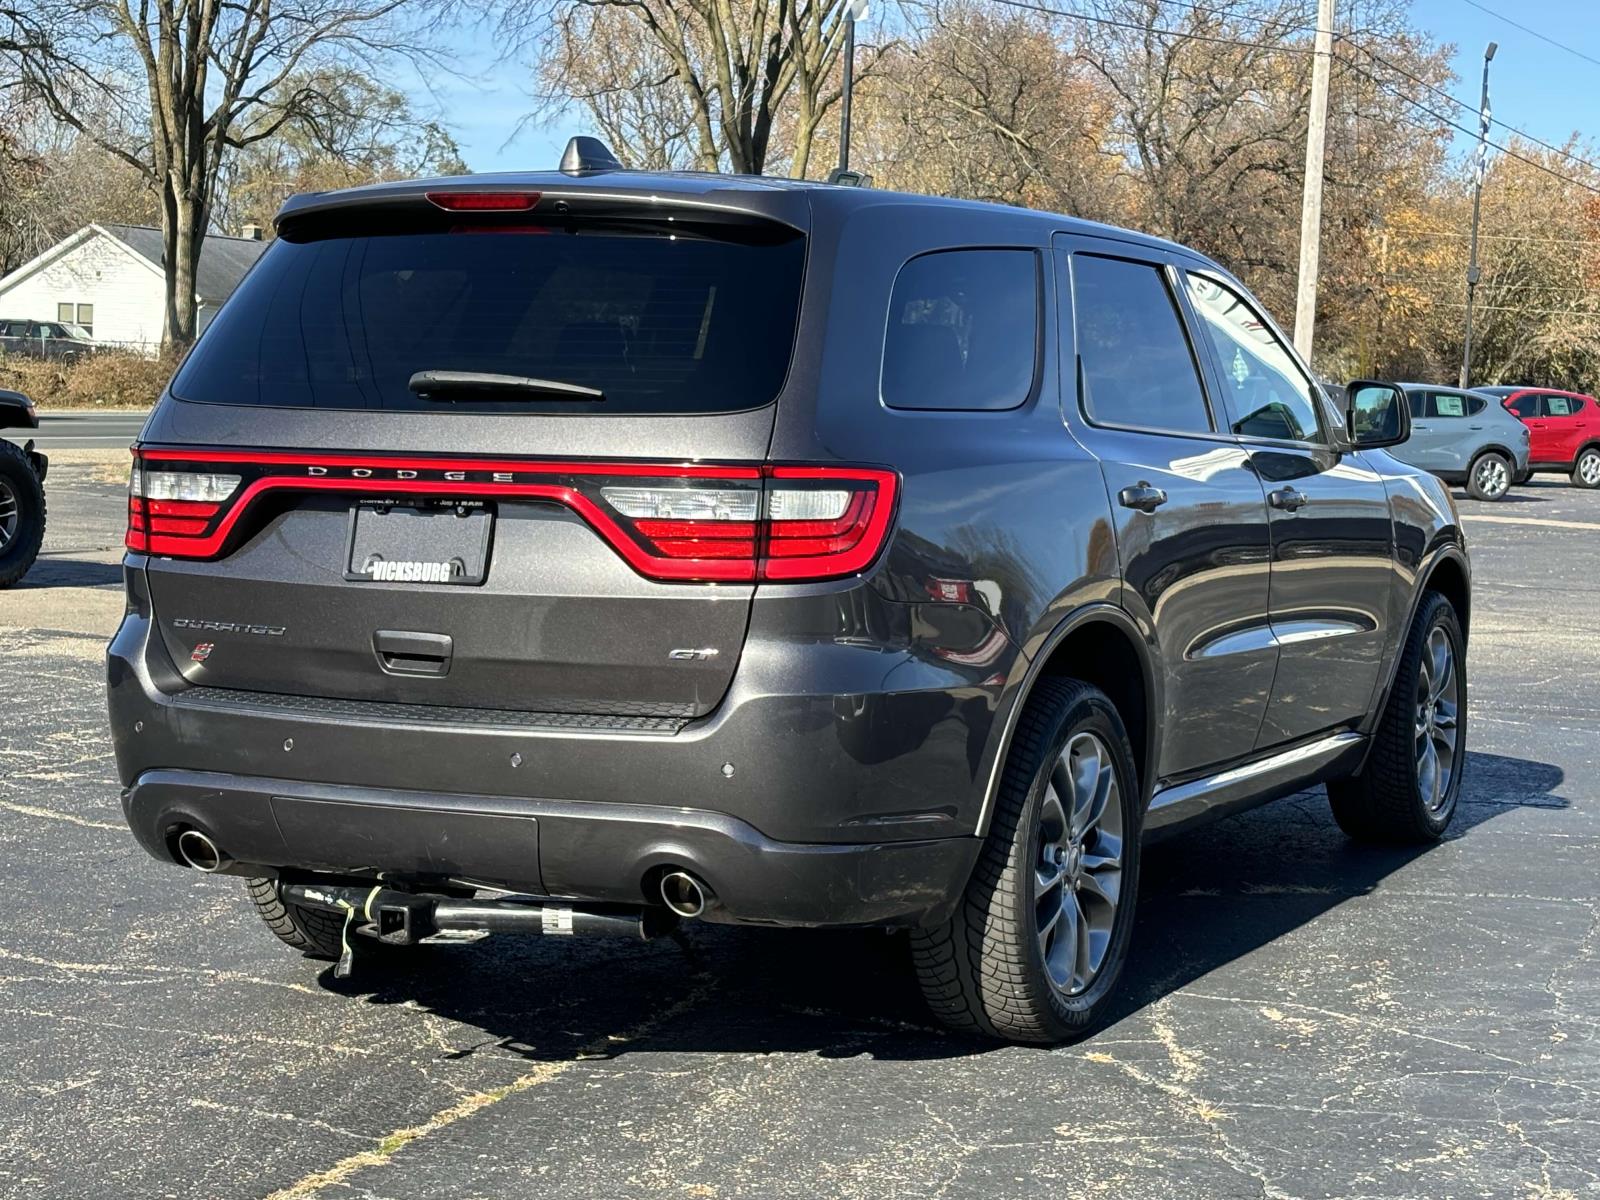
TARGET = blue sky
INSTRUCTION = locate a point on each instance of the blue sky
(1535, 86)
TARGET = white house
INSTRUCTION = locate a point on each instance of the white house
(108, 279)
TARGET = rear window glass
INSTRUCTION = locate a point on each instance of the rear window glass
(963, 331)
(658, 324)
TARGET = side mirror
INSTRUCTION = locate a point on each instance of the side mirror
(1376, 415)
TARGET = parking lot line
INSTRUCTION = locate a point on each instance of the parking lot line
(1544, 521)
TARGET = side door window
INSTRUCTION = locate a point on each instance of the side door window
(1269, 396)
(1185, 503)
(1525, 405)
(1136, 367)
(1560, 406)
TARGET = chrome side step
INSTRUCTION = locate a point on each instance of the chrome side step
(1253, 783)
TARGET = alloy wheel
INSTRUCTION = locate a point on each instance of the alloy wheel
(1589, 469)
(1438, 716)
(10, 514)
(1492, 478)
(1078, 872)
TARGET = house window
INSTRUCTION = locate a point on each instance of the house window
(77, 314)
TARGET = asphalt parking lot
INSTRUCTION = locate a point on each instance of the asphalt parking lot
(1303, 1018)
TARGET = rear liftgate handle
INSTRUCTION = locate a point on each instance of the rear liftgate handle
(403, 652)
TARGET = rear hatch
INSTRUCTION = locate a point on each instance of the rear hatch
(488, 449)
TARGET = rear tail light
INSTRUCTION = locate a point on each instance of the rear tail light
(168, 509)
(669, 521)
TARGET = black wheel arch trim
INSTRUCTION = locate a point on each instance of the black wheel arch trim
(1447, 552)
(1018, 692)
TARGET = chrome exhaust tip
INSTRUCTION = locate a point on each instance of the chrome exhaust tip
(200, 852)
(684, 894)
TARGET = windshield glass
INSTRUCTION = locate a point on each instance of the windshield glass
(658, 324)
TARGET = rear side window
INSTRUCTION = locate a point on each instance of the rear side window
(1448, 404)
(1136, 367)
(963, 331)
(1563, 406)
(658, 324)
(1476, 404)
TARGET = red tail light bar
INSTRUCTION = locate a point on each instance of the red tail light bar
(685, 522)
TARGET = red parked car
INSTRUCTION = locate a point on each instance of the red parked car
(1564, 428)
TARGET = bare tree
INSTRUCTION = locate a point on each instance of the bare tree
(710, 82)
(209, 76)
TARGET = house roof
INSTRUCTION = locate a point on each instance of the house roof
(223, 260)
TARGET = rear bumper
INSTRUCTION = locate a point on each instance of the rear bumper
(813, 796)
(591, 852)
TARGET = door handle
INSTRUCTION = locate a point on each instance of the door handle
(403, 652)
(1142, 497)
(1288, 499)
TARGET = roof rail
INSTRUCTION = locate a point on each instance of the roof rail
(588, 156)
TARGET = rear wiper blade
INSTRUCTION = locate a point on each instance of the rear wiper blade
(484, 385)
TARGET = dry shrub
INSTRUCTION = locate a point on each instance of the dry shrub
(108, 379)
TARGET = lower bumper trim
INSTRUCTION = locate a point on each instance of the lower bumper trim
(596, 853)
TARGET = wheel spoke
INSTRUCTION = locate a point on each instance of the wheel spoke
(1103, 885)
(1085, 967)
(1088, 782)
(1441, 671)
(1061, 958)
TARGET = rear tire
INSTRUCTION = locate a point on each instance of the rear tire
(1489, 477)
(311, 930)
(22, 514)
(1394, 800)
(1586, 471)
(1038, 941)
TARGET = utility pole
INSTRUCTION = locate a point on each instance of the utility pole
(1305, 303)
(1477, 200)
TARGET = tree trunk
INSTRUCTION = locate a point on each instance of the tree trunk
(183, 235)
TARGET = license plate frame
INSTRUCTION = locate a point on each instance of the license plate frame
(429, 543)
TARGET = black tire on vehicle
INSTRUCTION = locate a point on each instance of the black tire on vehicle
(22, 514)
(1394, 799)
(1586, 470)
(312, 930)
(1490, 476)
(1053, 867)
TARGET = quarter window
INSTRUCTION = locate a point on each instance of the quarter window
(1271, 396)
(1136, 367)
(963, 331)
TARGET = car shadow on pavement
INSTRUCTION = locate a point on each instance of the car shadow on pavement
(1207, 898)
(48, 572)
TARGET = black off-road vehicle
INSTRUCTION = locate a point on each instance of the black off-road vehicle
(22, 471)
(583, 551)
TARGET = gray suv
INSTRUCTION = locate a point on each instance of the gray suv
(583, 552)
(1465, 437)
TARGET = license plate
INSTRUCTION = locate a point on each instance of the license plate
(419, 543)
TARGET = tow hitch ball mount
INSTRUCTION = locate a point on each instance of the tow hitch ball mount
(402, 918)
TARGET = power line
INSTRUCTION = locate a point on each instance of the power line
(1302, 50)
(1444, 120)
(1439, 91)
(1182, 33)
(1533, 32)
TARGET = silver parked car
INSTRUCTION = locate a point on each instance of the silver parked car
(1464, 437)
